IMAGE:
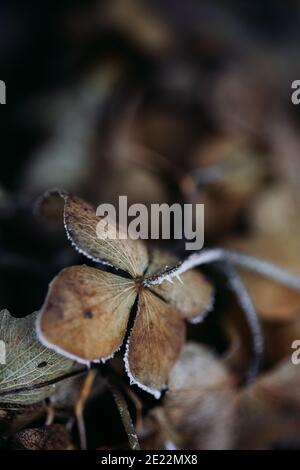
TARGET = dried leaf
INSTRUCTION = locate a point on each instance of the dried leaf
(86, 312)
(14, 417)
(53, 437)
(28, 363)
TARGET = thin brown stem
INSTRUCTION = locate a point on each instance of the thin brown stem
(125, 416)
(79, 407)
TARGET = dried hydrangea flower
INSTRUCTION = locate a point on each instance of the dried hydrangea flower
(86, 311)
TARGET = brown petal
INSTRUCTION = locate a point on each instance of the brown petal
(192, 295)
(154, 344)
(86, 313)
(197, 406)
(81, 224)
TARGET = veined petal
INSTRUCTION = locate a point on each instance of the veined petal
(95, 237)
(154, 344)
(191, 294)
(90, 237)
(85, 314)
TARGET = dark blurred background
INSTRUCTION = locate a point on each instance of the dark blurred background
(167, 51)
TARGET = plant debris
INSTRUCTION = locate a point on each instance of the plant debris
(114, 344)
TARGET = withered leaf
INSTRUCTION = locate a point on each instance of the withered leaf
(53, 437)
(28, 364)
(86, 312)
(14, 417)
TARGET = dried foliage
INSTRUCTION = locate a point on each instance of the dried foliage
(28, 363)
(86, 311)
(165, 102)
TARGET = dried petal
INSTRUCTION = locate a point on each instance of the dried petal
(81, 225)
(190, 293)
(86, 312)
(197, 411)
(154, 344)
